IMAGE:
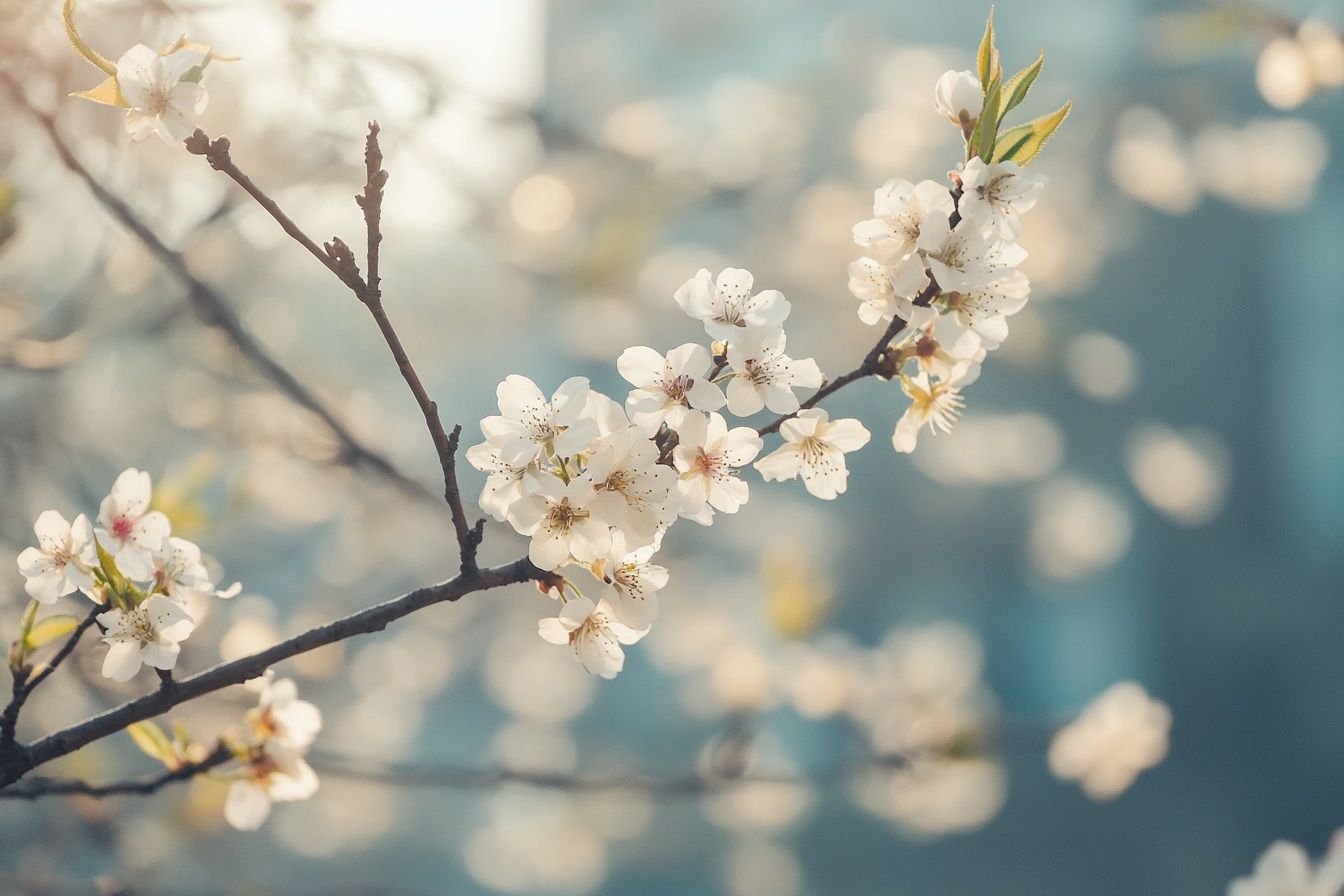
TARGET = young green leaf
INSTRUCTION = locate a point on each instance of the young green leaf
(49, 628)
(153, 742)
(984, 58)
(89, 53)
(987, 128)
(1016, 89)
(1022, 143)
(18, 651)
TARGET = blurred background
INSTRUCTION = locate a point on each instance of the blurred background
(1146, 486)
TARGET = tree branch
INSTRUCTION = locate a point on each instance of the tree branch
(337, 257)
(213, 308)
(23, 685)
(34, 788)
(372, 619)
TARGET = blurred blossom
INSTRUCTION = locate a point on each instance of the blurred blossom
(820, 681)
(758, 867)
(252, 627)
(536, 747)
(1285, 869)
(544, 685)
(344, 818)
(1149, 163)
(995, 449)
(643, 129)
(1101, 366)
(1269, 164)
(543, 203)
(930, 797)
(534, 841)
(899, 134)
(1077, 528)
(1291, 68)
(1183, 475)
(1120, 734)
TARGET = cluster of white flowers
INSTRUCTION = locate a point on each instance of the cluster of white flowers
(596, 484)
(131, 562)
(1285, 869)
(1121, 733)
(944, 260)
(271, 767)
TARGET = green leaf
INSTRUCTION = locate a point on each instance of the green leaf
(153, 742)
(987, 127)
(985, 58)
(109, 565)
(90, 55)
(1022, 143)
(106, 93)
(1018, 85)
(49, 628)
(18, 651)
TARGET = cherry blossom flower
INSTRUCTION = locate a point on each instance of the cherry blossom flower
(985, 309)
(1285, 869)
(633, 583)
(945, 351)
(814, 448)
(666, 388)
(888, 291)
(936, 403)
(557, 517)
(995, 196)
(180, 573)
(963, 257)
(530, 427)
(1118, 735)
(282, 717)
(128, 528)
(594, 632)
(274, 773)
(62, 560)
(146, 634)
(504, 483)
(902, 212)
(161, 102)
(959, 97)
(707, 457)
(726, 305)
(632, 487)
(764, 376)
(605, 413)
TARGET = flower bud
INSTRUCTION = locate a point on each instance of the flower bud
(958, 97)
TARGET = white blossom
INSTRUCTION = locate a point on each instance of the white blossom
(935, 403)
(905, 219)
(985, 309)
(1285, 869)
(959, 97)
(504, 483)
(147, 634)
(594, 632)
(62, 560)
(957, 357)
(667, 388)
(888, 291)
(633, 583)
(161, 102)
(531, 427)
(707, 457)
(128, 529)
(764, 376)
(994, 197)
(281, 716)
(814, 448)
(963, 257)
(632, 487)
(726, 305)
(275, 773)
(557, 517)
(1118, 735)
(180, 572)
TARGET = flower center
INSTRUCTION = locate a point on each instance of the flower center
(121, 527)
(677, 387)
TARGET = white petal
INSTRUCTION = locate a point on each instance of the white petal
(247, 806)
(122, 661)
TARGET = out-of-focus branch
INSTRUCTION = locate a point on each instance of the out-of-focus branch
(337, 257)
(24, 685)
(35, 788)
(212, 307)
(17, 762)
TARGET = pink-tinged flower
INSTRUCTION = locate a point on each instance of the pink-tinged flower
(147, 634)
(815, 449)
(62, 560)
(707, 457)
(727, 305)
(594, 633)
(128, 529)
(667, 388)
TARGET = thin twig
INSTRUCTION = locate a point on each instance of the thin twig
(213, 308)
(24, 686)
(36, 787)
(337, 257)
(366, 621)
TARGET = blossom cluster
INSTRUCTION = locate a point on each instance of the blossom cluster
(1285, 869)
(596, 483)
(1120, 734)
(270, 765)
(129, 561)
